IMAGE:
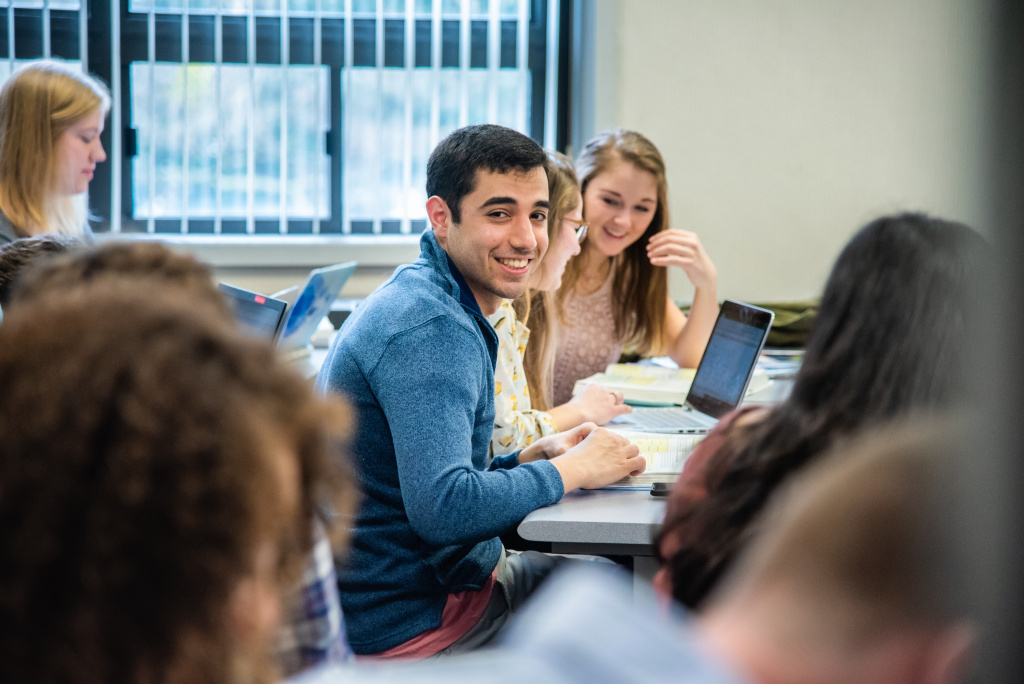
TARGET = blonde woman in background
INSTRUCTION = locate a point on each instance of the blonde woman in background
(616, 293)
(522, 375)
(51, 118)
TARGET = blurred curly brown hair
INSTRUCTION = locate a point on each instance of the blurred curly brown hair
(19, 256)
(136, 483)
(122, 260)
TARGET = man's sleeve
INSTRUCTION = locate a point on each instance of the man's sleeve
(428, 383)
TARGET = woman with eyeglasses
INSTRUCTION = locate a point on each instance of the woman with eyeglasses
(51, 118)
(522, 374)
(616, 293)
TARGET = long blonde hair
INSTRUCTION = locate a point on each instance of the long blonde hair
(533, 306)
(37, 105)
(640, 289)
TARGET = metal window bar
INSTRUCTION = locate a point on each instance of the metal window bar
(151, 162)
(378, 61)
(282, 200)
(46, 28)
(10, 36)
(435, 68)
(321, 132)
(523, 62)
(83, 36)
(551, 78)
(493, 57)
(410, 89)
(115, 111)
(218, 161)
(346, 89)
(186, 132)
(250, 122)
(464, 54)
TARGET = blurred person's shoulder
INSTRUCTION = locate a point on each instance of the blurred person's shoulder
(595, 626)
(584, 625)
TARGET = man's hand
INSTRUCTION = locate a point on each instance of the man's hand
(553, 446)
(598, 459)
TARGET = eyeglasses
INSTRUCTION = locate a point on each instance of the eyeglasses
(581, 232)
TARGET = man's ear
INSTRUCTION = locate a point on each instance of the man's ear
(440, 217)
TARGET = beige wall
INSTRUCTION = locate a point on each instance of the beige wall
(270, 280)
(787, 124)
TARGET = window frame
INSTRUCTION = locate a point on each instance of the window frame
(111, 186)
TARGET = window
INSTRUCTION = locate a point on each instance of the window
(315, 117)
(241, 118)
(32, 29)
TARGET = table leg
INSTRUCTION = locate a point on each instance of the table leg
(644, 569)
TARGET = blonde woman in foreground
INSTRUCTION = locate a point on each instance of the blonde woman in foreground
(51, 118)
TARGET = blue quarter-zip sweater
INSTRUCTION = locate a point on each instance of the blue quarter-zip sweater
(416, 360)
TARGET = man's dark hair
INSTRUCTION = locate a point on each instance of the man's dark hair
(452, 167)
(142, 441)
(16, 257)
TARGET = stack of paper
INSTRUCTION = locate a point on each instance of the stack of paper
(644, 384)
(666, 455)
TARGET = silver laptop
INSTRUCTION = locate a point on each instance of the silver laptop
(256, 314)
(721, 379)
(293, 326)
(312, 302)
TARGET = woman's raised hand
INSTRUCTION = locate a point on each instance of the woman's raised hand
(683, 249)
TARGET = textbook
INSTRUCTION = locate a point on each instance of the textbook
(665, 454)
(646, 384)
(643, 384)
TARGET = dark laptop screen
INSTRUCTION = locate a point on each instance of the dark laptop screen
(257, 315)
(729, 359)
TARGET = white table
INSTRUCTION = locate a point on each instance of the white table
(615, 522)
(601, 522)
(309, 366)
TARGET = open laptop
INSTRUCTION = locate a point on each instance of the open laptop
(312, 303)
(266, 316)
(721, 379)
(256, 314)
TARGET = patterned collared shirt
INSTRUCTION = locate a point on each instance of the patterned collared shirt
(314, 629)
(516, 425)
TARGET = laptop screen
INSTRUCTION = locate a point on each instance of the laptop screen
(313, 302)
(257, 315)
(729, 358)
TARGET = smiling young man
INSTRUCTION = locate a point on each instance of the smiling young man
(427, 572)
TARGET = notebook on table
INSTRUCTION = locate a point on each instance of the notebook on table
(721, 379)
(642, 384)
(665, 455)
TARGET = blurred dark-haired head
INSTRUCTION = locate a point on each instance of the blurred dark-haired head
(892, 324)
(891, 340)
(127, 263)
(19, 256)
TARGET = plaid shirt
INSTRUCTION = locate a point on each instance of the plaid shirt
(313, 631)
